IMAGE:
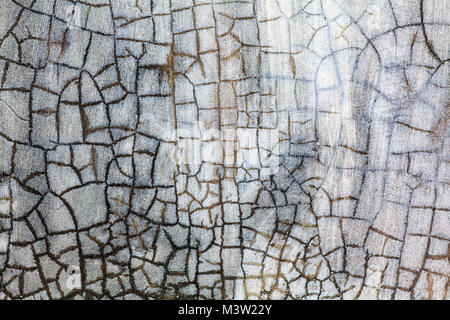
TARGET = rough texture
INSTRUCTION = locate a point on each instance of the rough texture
(349, 198)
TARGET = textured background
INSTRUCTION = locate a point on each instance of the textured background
(96, 98)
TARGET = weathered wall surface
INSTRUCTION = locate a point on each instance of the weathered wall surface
(260, 149)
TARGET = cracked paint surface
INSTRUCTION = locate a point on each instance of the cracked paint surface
(96, 98)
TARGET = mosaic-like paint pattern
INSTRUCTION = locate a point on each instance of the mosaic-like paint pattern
(348, 199)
